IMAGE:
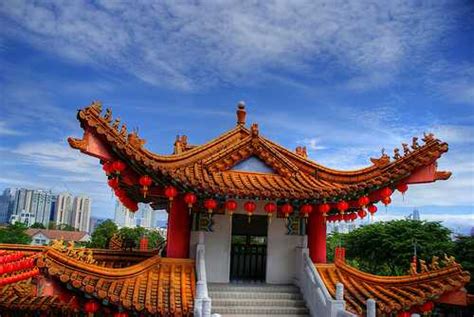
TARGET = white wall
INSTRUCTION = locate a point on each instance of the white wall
(281, 249)
(217, 246)
(281, 253)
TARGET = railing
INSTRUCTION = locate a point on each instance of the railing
(315, 293)
(202, 302)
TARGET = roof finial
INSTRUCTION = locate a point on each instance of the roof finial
(241, 113)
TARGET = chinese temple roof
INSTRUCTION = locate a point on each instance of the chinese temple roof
(151, 284)
(391, 293)
(211, 168)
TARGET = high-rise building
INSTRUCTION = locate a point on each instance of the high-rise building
(123, 217)
(41, 205)
(36, 202)
(63, 211)
(6, 204)
(143, 216)
(81, 213)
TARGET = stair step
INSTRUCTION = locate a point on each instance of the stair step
(257, 302)
(253, 288)
(262, 315)
(254, 295)
(259, 310)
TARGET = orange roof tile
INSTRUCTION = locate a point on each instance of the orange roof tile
(391, 293)
(156, 285)
(207, 168)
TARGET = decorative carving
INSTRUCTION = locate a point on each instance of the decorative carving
(254, 130)
(428, 137)
(396, 153)
(123, 131)
(434, 263)
(96, 105)
(116, 124)
(115, 242)
(241, 113)
(413, 267)
(448, 261)
(423, 267)
(108, 115)
(406, 149)
(383, 160)
(414, 143)
(301, 151)
(80, 144)
(81, 254)
(135, 141)
(180, 145)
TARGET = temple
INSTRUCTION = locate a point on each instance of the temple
(245, 216)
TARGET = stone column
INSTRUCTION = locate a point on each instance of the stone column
(179, 229)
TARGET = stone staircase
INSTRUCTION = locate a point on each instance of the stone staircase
(231, 300)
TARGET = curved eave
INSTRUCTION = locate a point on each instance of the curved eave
(204, 167)
(157, 285)
(391, 293)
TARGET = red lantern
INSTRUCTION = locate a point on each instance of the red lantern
(107, 167)
(385, 192)
(363, 201)
(171, 192)
(324, 209)
(113, 182)
(250, 207)
(372, 209)
(342, 206)
(118, 167)
(270, 208)
(145, 181)
(230, 206)
(386, 201)
(190, 199)
(427, 307)
(362, 213)
(346, 217)
(287, 209)
(210, 204)
(121, 314)
(404, 314)
(305, 210)
(402, 188)
(91, 306)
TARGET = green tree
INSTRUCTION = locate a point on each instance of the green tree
(15, 234)
(154, 239)
(38, 225)
(102, 234)
(386, 248)
(464, 254)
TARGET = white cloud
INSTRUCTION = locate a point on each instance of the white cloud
(189, 45)
(5, 130)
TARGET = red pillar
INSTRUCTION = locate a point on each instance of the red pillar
(317, 237)
(179, 229)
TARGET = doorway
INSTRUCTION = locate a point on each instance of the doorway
(248, 260)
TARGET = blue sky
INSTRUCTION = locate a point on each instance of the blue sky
(344, 79)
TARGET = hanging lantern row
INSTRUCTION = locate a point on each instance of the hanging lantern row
(10, 257)
(19, 277)
(115, 167)
(17, 265)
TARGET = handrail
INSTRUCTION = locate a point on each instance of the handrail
(202, 302)
(316, 294)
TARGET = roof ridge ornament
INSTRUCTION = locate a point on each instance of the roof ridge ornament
(241, 113)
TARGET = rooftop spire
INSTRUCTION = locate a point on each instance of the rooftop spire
(241, 113)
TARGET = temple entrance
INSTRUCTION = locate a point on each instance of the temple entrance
(249, 248)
